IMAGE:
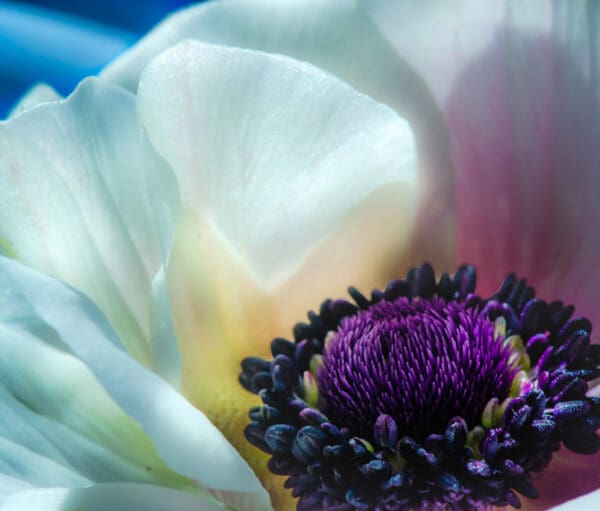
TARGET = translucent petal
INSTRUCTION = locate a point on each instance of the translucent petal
(339, 37)
(463, 29)
(74, 203)
(183, 437)
(274, 153)
(59, 426)
(107, 496)
(518, 84)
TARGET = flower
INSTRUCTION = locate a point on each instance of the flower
(425, 396)
(238, 252)
(91, 199)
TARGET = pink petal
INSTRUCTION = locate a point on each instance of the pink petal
(569, 476)
(518, 85)
(524, 122)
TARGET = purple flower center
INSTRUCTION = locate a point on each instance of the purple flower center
(421, 362)
(425, 396)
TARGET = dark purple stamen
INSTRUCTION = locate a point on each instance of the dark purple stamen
(421, 362)
(425, 396)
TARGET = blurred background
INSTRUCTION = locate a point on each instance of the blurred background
(61, 41)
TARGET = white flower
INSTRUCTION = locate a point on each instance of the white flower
(230, 191)
(201, 196)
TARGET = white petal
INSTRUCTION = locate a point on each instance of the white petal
(38, 94)
(163, 196)
(183, 436)
(438, 38)
(339, 37)
(72, 189)
(60, 422)
(28, 467)
(10, 485)
(108, 496)
(589, 501)
(335, 35)
(166, 359)
(275, 153)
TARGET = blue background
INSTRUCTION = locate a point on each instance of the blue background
(61, 41)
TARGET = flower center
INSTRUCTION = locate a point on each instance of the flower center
(421, 362)
(425, 396)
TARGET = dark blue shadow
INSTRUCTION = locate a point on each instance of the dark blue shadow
(59, 42)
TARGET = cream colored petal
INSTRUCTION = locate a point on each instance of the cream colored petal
(272, 152)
